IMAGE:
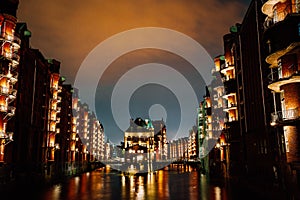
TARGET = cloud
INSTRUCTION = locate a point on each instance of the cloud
(69, 30)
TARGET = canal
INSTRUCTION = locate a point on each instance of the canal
(172, 182)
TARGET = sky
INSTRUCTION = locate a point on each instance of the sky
(69, 31)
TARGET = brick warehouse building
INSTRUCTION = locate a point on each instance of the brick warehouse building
(251, 133)
(40, 136)
(9, 63)
(261, 71)
(282, 39)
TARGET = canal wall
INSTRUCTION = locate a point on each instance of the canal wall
(23, 174)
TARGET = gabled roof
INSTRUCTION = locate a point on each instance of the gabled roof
(136, 128)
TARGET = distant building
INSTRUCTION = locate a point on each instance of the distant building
(205, 130)
(218, 161)
(139, 137)
(179, 149)
(107, 150)
(228, 68)
(192, 150)
(54, 108)
(89, 129)
(217, 115)
(95, 139)
(63, 157)
(160, 139)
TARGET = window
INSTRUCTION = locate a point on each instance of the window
(286, 140)
(275, 19)
(265, 146)
(282, 100)
(279, 69)
(298, 7)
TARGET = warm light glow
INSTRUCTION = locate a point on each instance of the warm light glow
(72, 146)
(74, 119)
(74, 129)
(9, 75)
(217, 193)
(123, 180)
(273, 123)
(73, 137)
(54, 81)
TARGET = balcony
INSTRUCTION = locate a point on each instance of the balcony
(267, 8)
(7, 137)
(15, 57)
(282, 37)
(208, 111)
(53, 118)
(276, 82)
(216, 97)
(285, 116)
(230, 119)
(53, 88)
(230, 86)
(230, 106)
(53, 109)
(12, 95)
(58, 99)
(10, 111)
(4, 90)
(230, 95)
(59, 89)
(52, 128)
(277, 12)
(13, 41)
(10, 55)
(3, 108)
(12, 77)
(225, 68)
(16, 41)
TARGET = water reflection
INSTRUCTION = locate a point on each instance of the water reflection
(173, 182)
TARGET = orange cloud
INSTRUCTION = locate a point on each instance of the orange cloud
(69, 30)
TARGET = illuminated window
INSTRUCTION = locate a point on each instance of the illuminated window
(286, 141)
(279, 69)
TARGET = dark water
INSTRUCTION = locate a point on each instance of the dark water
(177, 182)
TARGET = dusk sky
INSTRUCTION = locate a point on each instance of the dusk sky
(69, 30)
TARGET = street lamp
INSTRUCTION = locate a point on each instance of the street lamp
(57, 146)
(77, 152)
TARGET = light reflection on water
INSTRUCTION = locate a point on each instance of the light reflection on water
(180, 182)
